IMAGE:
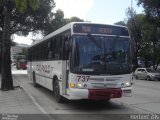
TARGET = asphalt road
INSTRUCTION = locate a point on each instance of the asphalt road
(145, 100)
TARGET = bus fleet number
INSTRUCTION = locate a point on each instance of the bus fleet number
(83, 78)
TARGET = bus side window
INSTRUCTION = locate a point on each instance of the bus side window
(38, 52)
(51, 55)
(42, 56)
(45, 50)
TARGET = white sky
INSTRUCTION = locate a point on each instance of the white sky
(99, 11)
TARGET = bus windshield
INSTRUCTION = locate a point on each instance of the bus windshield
(100, 55)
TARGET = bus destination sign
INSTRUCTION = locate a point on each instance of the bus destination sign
(100, 29)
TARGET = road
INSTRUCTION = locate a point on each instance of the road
(145, 99)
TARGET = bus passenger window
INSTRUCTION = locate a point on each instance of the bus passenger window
(51, 55)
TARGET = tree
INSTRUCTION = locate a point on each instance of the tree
(6, 83)
(145, 32)
(135, 24)
(152, 32)
(151, 7)
(74, 19)
(1, 25)
(122, 23)
(56, 23)
(29, 21)
(20, 23)
(59, 21)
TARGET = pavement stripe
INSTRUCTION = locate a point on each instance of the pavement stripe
(35, 102)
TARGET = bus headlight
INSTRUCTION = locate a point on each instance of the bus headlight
(127, 84)
(79, 85)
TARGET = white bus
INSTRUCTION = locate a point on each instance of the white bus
(83, 61)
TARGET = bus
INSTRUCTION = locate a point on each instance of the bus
(83, 61)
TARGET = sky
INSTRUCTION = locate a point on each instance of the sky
(97, 11)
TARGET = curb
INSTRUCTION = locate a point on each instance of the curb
(30, 96)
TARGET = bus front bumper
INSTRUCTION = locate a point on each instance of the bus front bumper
(98, 94)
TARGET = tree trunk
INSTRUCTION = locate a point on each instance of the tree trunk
(0, 51)
(7, 82)
(0, 57)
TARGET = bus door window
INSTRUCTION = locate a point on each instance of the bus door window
(66, 47)
(58, 47)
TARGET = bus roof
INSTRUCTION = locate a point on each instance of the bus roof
(68, 26)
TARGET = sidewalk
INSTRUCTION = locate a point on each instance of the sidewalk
(17, 101)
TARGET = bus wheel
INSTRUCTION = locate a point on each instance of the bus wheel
(57, 95)
(104, 101)
(34, 80)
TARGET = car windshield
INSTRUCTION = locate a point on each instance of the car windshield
(101, 55)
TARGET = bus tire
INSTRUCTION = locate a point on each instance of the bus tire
(57, 95)
(34, 80)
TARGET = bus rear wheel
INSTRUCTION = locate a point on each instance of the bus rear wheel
(57, 95)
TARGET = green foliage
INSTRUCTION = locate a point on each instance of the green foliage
(2, 2)
(145, 31)
(59, 21)
(23, 4)
(135, 24)
(151, 7)
(75, 19)
(34, 4)
(25, 20)
(122, 23)
(151, 31)
(21, 17)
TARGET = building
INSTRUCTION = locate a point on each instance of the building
(17, 50)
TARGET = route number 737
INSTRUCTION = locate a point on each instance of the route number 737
(83, 78)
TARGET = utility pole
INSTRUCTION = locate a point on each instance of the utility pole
(131, 9)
